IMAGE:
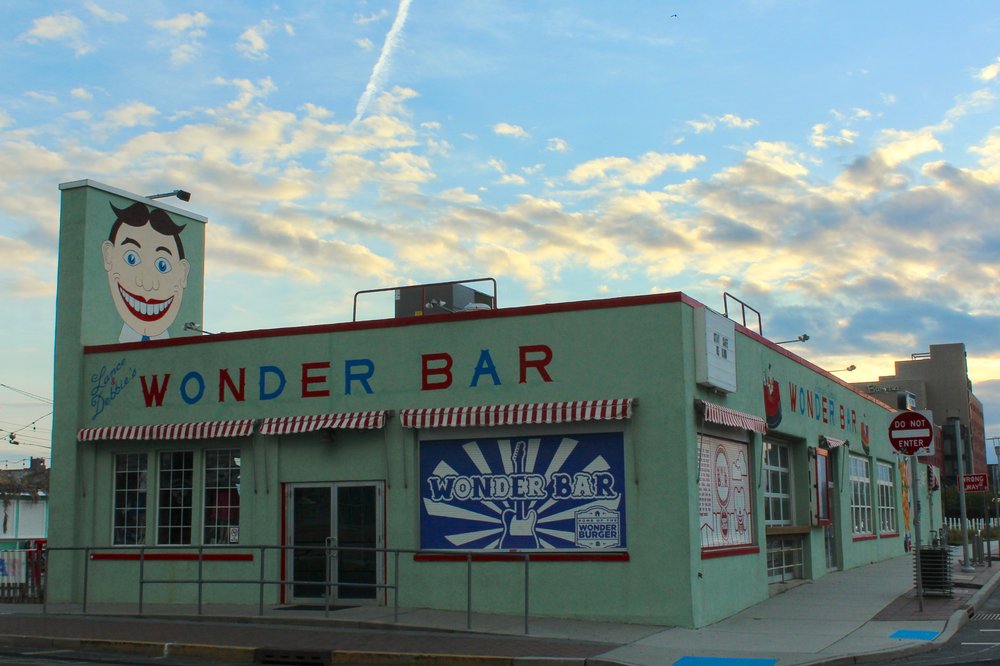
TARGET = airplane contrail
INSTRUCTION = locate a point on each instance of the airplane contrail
(381, 68)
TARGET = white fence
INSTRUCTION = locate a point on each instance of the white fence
(975, 524)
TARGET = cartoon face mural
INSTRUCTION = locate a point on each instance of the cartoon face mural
(147, 271)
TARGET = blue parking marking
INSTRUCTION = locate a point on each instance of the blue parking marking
(914, 635)
(723, 661)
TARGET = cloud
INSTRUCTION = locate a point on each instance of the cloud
(371, 18)
(506, 129)
(989, 72)
(616, 171)
(39, 96)
(104, 14)
(513, 179)
(81, 93)
(821, 139)
(460, 196)
(556, 145)
(5, 120)
(380, 72)
(252, 43)
(63, 28)
(730, 120)
(735, 122)
(365, 43)
(190, 27)
(131, 115)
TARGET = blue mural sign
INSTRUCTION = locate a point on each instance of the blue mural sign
(524, 493)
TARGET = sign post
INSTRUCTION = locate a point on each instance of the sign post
(912, 434)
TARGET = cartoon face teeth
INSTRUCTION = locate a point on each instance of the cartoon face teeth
(147, 310)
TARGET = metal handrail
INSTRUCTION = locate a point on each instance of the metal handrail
(331, 552)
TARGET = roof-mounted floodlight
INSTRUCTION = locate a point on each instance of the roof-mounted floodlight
(183, 195)
(801, 338)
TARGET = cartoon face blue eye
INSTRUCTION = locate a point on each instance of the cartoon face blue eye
(163, 265)
(132, 258)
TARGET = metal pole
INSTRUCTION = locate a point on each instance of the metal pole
(986, 518)
(960, 450)
(395, 590)
(468, 590)
(260, 602)
(201, 574)
(915, 493)
(526, 558)
(142, 574)
(86, 569)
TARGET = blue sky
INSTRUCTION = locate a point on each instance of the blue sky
(833, 164)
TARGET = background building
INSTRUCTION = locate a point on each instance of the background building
(938, 380)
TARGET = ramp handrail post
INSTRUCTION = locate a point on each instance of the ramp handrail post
(527, 557)
(468, 590)
(142, 574)
(395, 589)
(260, 603)
(201, 573)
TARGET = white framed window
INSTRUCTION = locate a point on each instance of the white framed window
(886, 498)
(861, 497)
(176, 498)
(222, 496)
(724, 485)
(778, 506)
(129, 526)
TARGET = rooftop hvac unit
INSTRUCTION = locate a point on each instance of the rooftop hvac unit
(440, 298)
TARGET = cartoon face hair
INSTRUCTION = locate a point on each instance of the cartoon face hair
(138, 215)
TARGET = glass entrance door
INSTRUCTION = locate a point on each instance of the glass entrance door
(334, 529)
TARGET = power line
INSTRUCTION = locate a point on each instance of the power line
(33, 396)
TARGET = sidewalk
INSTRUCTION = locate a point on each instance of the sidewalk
(871, 609)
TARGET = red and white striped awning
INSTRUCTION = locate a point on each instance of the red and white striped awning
(527, 413)
(286, 425)
(831, 442)
(200, 430)
(730, 417)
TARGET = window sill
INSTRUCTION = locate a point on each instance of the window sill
(864, 537)
(785, 530)
(710, 554)
(889, 535)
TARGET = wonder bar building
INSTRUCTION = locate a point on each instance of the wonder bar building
(652, 460)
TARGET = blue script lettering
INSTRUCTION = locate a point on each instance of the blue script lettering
(107, 384)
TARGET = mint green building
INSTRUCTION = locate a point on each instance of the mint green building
(653, 460)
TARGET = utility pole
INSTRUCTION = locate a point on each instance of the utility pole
(960, 451)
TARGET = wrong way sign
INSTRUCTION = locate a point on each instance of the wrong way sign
(912, 434)
(974, 483)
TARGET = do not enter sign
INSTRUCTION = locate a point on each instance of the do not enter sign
(910, 432)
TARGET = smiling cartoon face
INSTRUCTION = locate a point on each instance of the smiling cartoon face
(147, 272)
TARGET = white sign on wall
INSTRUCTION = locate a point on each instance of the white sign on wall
(715, 350)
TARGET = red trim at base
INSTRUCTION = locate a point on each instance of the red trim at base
(889, 535)
(729, 552)
(519, 557)
(173, 557)
(866, 537)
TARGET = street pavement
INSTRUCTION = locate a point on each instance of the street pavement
(869, 612)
